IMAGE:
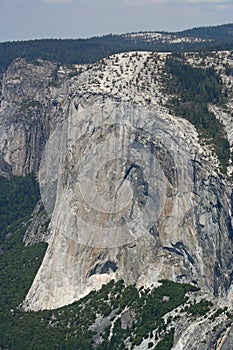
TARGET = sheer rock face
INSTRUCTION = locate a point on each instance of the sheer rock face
(38, 230)
(30, 108)
(174, 223)
(130, 191)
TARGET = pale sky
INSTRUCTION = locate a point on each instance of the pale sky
(34, 19)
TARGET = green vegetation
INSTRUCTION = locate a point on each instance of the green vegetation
(68, 51)
(229, 70)
(218, 313)
(27, 107)
(222, 32)
(18, 265)
(199, 309)
(167, 342)
(194, 89)
(18, 196)
(148, 306)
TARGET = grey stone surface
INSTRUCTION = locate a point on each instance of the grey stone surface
(131, 184)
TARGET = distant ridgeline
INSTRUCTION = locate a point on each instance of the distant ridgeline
(78, 51)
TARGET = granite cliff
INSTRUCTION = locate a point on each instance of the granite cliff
(30, 109)
(132, 191)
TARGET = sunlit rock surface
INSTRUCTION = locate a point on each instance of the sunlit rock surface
(130, 190)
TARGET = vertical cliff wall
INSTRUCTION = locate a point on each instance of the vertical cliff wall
(32, 103)
(131, 191)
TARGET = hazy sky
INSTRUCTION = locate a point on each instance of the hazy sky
(31, 19)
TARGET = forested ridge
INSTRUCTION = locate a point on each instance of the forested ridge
(192, 90)
(78, 51)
